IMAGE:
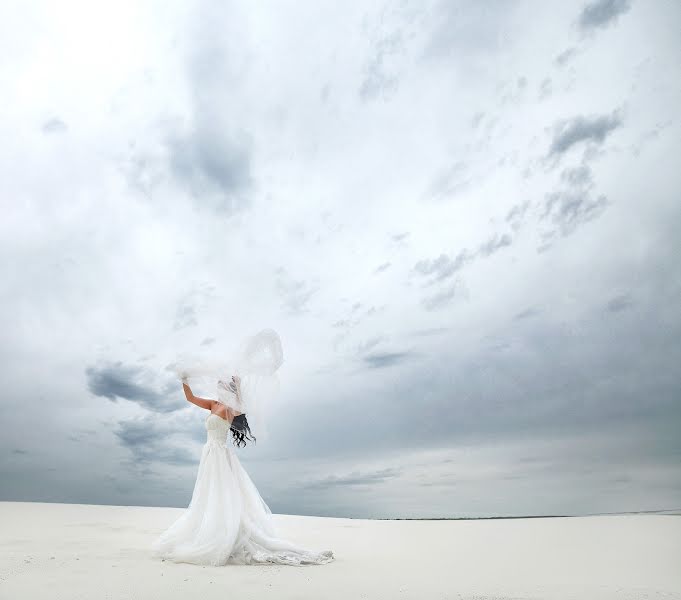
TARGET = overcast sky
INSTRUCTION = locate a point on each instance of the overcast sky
(461, 217)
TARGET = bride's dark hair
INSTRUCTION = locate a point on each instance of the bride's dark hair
(241, 431)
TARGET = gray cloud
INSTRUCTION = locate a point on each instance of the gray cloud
(114, 381)
(516, 215)
(370, 343)
(443, 297)
(572, 206)
(443, 266)
(580, 176)
(602, 13)
(494, 244)
(619, 303)
(550, 381)
(233, 147)
(356, 478)
(211, 167)
(185, 316)
(295, 293)
(430, 331)
(374, 310)
(378, 80)
(475, 32)
(569, 132)
(343, 323)
(214, 166)
(527, 313)
(449, 182)
(148, 441)
(545, 88)
(54, 125)
(569, 209)
(386, 359)
(204, 153)
(382, 267)
(565, 56)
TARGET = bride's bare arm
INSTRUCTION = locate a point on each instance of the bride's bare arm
(202, 402)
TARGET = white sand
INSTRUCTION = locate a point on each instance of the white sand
(72, 551)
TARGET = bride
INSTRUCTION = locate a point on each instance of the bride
(227, 521)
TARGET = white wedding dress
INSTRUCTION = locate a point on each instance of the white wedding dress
(227, 521)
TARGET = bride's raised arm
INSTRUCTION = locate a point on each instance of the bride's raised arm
(202, 402)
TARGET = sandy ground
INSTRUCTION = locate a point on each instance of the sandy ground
(73, 551)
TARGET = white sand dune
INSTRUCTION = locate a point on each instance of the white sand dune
(73, 551)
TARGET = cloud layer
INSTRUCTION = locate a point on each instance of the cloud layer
(463, 225)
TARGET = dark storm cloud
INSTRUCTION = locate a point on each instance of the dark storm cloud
(54, 125)
(148, 440)
(355, 478)
(115, 381)
(594, 129)
(602, 13)
(386, 359)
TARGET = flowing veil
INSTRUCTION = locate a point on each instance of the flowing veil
(253, 363)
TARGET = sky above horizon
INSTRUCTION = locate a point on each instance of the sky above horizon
(461, 218)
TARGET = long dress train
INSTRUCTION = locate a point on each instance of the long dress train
(227, 521)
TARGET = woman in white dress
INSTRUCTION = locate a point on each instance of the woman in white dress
(227, 521)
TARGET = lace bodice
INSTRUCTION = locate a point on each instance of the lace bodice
(217, 429)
